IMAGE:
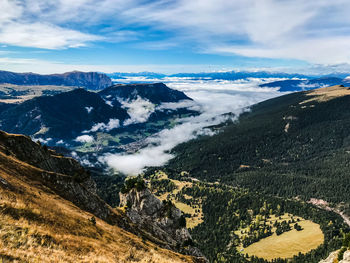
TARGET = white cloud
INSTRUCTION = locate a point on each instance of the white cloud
(109, 103)
(157, 153)
(316, 31)
(89, 109)
(139, 110)
(60, 142)
(41, 35)
(215, 98)
(44, 141)
(189, 104)
(112, 124)
(84, 139)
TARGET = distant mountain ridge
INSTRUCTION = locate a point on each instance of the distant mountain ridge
(62, 115)
(306, 84)
(68, 115)
(88, 80)
(225, 75)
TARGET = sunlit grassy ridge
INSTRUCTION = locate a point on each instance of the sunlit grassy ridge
(36, 225)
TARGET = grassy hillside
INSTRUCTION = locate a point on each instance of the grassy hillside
(38, 225)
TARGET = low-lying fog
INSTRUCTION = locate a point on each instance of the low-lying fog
(212, 97)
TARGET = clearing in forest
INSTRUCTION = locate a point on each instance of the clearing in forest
(288, 244)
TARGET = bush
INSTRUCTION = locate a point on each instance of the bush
(93, 220)
(135, 182)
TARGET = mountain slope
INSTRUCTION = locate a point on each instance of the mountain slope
(88, 80)
(294, 145)
(64, 115)
(155, 93)
(52, 217)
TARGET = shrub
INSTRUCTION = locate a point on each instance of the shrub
(93, 220)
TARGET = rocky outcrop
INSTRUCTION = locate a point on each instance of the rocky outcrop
(161, 219)
(330, 259)
(334, 255)
(88, 80)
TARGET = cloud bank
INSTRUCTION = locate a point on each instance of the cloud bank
(84, 138)
(139, 110)
(112, 124)
(213, 98)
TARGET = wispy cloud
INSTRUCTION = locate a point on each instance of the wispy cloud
(42, 35)
(315, 31)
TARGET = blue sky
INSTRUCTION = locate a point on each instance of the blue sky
(47, 36)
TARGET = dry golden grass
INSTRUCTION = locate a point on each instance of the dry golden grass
(326, 94)
(30, 91)
(37, 225)
(289, 243)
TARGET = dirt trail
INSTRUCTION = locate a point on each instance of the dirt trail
(325, 205)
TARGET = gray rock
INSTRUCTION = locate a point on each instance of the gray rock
(160, 219)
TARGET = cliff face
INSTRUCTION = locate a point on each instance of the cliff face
(160, 219)
(49, 212)
(88, 80)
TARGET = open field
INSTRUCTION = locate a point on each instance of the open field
(327, 93)
(289, 243)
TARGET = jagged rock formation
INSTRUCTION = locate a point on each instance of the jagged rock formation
(88, 80)
(161, 219)
(50, 213)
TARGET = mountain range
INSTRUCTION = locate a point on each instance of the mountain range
(306, 84)
(88, 80)
(68, 114)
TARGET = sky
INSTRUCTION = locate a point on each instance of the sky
(168, 36)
